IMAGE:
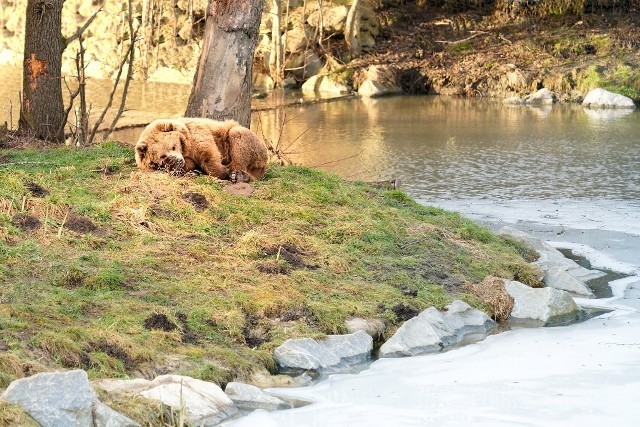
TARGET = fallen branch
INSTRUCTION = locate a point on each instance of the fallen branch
(477, 33)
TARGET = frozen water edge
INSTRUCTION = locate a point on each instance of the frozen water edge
(586, 374)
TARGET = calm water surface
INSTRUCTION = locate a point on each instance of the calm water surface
(457, 148)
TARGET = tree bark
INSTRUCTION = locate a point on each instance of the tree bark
(277, 50)
(223, 80)
(352, 29)
(42, 109)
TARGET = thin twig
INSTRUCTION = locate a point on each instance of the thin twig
(331, 162)
(125, 90)
(82, 29)
(477, 33)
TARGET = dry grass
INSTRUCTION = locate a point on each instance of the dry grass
(492, 291)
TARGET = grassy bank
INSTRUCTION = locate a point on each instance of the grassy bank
(120, 272)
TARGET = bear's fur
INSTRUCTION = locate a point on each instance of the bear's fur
(223, 149)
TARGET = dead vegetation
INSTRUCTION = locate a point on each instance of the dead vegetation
(492, 291)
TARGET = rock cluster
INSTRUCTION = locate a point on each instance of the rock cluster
(332, 354)
(432, 330)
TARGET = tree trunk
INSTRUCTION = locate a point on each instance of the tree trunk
(42, 109)
(223, 80)
(277, 51)
(352, 29)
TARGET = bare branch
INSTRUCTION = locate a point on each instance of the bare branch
(477, 33)
(82, 29)
(127, 81)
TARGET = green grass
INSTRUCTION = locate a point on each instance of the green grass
(304, 253)
(619, 78)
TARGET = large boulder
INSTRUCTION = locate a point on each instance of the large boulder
(600, 98)
(324, 84)
(432, 330)
(542, 97)
(203, 403)
(333, 19)
(332, 354)
(541, 306)
(61, 399)
(560, 278)
(249, 397)
(378, 81)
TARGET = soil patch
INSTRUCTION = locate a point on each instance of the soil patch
(296, 313)
(404, 312)
(160, 322)
(272, 268)
(410, 292)
(36, 190)
(255, 332)
(240, 189)
(26, 222)
(288, 252)
(187, 336)
(162, 212)
(197, 200)
(114, 351)
(80, 224)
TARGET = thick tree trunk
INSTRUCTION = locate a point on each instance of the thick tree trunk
(223, 80)
(42, 110)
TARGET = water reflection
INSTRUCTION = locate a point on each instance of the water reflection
(457, 148)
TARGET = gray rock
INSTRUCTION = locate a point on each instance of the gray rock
(334, 353)
(333, 19)
(378, 81)
(542, 97)
(324, 84)
(432, 330)
(559, 278)
(56, 399)
(600, 98)
(541, 306)
(204, 403)
(550, 257)
(60, 399)
(249, 397)
(374, 327)
(104, 416)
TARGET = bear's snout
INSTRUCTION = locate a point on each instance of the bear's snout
(172, 163)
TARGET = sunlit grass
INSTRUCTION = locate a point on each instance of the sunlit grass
(230, 281)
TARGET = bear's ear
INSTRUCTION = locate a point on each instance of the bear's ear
(165, 126)
(172, 125)
(141, 149)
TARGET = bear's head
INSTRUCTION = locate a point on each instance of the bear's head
(161, 146)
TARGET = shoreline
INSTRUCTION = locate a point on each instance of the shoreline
(441, 386)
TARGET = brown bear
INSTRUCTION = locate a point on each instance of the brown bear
(223, 149)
